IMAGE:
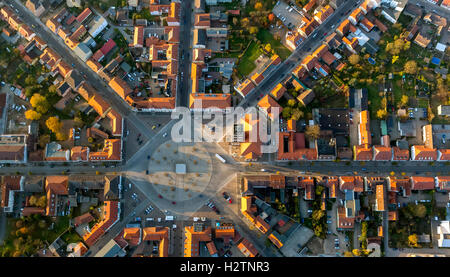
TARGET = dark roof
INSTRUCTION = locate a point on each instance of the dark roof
(201, 36)
(325, 147)
(336, 120)
(371, 47)
(111, 190)
(63, 88)
(74, 80)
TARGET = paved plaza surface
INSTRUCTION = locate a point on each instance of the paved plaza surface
(181, 193)
(185, 185)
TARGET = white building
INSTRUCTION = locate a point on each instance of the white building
(99, 24)
(443, 231)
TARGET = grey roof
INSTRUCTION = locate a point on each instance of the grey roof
(201, 36)
(83, 51)
(74, 79)
(63, 88)
(111, 190)
(111, 249)
(371, 47)
(444, 109)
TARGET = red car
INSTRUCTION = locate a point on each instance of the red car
(159, 195)
(227, 197)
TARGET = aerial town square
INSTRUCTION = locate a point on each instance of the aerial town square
(225, 128)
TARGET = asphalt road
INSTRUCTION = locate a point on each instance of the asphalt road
(185, 55)
(431, 7)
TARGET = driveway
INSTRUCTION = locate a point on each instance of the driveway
(2, 227)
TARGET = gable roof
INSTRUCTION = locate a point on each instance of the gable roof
(422, 183)
(83, 15)
(363, 153)
(382, 153)
(209, 100)
(267, 103)
(421, 152)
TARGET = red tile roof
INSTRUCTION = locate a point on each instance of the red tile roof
(108, 46)
(351, 183)
(400, 154)
(382, 153)
(208, 100)
(363, 153)
(247, 248)
(83, 15)
(111, 210)
(421, 152)
(267, 104)
(193, 238)
(295, 148)
(444, 154)
(422, 183)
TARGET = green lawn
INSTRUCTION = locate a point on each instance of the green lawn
(247, 62)
(374, 100)
(61, 224)
(422, 103)
(266, 37)
(70, 237)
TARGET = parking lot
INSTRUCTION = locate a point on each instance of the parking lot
(133, 140)
(290, 15)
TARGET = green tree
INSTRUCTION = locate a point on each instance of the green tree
(297, 114)
(317, 215)
(291, 103)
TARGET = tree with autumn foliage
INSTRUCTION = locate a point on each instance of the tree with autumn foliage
(32, 115)
(54, 124)
(312, 131)
(40, 103)
(354, 59)
(258, 6)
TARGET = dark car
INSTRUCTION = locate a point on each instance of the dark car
(146, 172)
(227, 197)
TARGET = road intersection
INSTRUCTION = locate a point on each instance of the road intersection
(135, 167)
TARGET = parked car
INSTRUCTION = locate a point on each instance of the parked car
(227, 197)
